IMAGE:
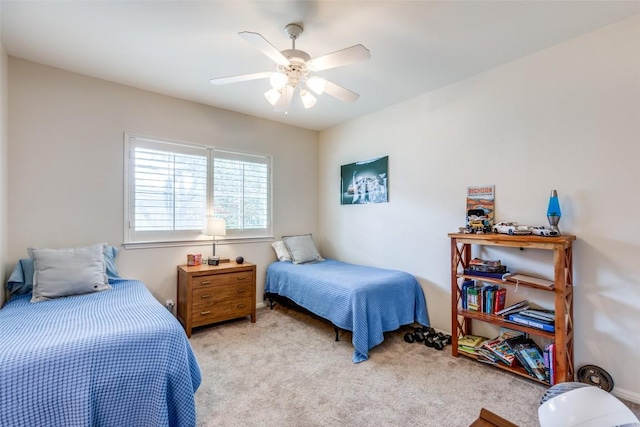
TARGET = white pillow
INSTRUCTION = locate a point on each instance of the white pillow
(302, 249)
(281, 251)
(64, 272)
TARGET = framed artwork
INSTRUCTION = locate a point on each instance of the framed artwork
(365, 182)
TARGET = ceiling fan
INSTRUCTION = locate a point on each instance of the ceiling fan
(294, 68)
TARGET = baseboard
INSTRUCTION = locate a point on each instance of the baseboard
(626, 395)
(261, 305)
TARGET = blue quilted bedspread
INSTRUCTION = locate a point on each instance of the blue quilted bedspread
(365, 300)
(111, 358)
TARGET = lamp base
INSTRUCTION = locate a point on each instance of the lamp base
(215, 260)
(553, 223)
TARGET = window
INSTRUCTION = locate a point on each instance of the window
(171, 187)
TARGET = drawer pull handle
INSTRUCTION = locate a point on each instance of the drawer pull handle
(242, 305)
(205, 282)
(205, 312)
(205, 296)
(242, 278)
(242, 290)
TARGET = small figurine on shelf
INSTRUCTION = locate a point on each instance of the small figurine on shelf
(511, 228)
(477, 221)
(541, 230)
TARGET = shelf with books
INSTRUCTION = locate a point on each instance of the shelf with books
(561, 287)
(503, 282)
(513, 369)
(502, 322)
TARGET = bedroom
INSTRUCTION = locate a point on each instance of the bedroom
(564, 117)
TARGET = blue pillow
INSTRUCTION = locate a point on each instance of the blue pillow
(110, 254)
(21, 279)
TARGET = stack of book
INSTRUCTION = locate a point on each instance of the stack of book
(486, 268)
(498, 351)
(470, 344)
(530, 357)
(539, 319)
(484, 298)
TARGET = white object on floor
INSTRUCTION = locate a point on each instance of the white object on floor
(586, 407)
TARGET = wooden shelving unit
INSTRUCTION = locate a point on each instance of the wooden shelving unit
(462, 320)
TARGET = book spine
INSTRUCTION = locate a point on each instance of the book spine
(545, 356)
(501, 295)
(531, 322)
(552, 364)
(472, 298)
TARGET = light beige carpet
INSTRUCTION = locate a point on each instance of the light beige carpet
(287, 370)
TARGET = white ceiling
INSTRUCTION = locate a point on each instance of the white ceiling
(176, 47)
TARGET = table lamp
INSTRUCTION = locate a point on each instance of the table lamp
(553, 211)
(214, 227)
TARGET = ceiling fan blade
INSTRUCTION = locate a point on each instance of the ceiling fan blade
(240, 78)
(338, 92)
(342, 57)
(265, 47)
(282, 106)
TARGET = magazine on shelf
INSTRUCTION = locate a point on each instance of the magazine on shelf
(501, 350)
(513, 308)
(470, 343)
(471, 340)
(529, 280)
(531, 322)
(481, 197)
(530, 356)
(485, 262)
(544, 315)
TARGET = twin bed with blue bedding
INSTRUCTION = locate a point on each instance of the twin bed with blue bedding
(115, 358)
(367, 301)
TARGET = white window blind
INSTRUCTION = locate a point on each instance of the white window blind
(241, 189)
(171, 187)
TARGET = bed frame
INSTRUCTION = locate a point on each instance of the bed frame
(286, 302)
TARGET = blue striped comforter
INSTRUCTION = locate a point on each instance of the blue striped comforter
(365, 300)
(111, 358)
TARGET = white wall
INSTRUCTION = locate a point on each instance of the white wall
(3, 165)
(66, 167)
(567, 118)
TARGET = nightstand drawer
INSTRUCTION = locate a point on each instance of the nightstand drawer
(203, 314)
(221, 292)
(223, 279)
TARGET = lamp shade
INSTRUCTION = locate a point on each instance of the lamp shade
(554, 205)
(272, 96)
(278, 80)
(215, 227)
(308, 100)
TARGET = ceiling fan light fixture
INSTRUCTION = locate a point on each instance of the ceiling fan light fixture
(308, 100)
(278, 80)
(316, 84)
(272, 96)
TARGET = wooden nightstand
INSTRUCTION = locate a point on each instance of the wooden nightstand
(209, 294)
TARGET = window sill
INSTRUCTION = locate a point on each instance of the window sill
(200, 242)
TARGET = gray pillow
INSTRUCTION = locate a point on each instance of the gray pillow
(302, 249)
(65, 272)
(281, 251)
